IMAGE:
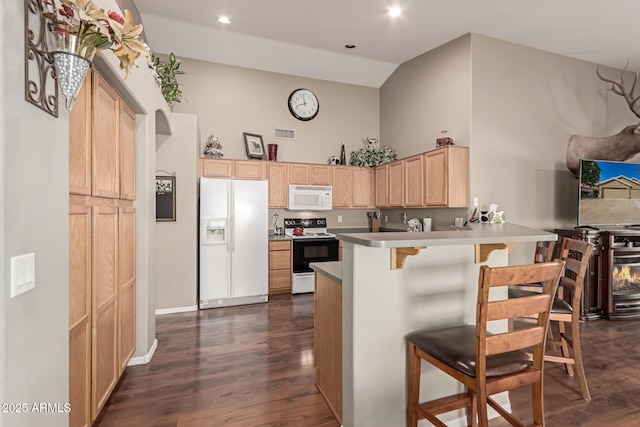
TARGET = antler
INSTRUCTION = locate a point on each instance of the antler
(618, 87)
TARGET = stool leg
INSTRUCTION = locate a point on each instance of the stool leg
(537, 403)
(413, 394)
(472, 411)
(565, 347)
(577, 355)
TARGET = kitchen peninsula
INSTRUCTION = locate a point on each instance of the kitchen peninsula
(395, 283)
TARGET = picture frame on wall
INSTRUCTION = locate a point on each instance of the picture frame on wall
(254, 146)
(165, 198)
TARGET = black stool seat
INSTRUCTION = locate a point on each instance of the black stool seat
(559, 305)
(455, 346)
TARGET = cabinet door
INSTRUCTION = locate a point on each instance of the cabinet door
(382, 186)
(127, 152)
(127, 283)
(298, 173)
(362, 188)
(105, 156)
(214, 168)
(104, 307)
(320, 175)
(342, 186)
(436, 178)
(414, 181)
(250, 169)
(278, 185)
(80, 315)
(396, 184)
(80, 141)
(458, 177)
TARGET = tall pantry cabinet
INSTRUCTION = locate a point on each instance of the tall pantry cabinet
(102, 237)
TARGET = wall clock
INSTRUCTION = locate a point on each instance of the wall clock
(303, 104)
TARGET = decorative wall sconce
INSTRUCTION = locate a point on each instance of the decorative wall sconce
(41, 86)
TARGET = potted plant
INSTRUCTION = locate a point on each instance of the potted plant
(167, 72)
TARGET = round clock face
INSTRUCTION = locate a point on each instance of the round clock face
(303, 104)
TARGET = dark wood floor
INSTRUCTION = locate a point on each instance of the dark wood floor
(252, 366)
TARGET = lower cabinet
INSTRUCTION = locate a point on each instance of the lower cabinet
(279, 267)
(101, 303)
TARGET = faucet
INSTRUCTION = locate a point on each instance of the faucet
(404, 217)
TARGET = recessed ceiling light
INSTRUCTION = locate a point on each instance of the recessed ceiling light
(350, 46)
(224, 20)
(395, 11)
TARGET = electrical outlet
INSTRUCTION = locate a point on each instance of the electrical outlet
(475, 202)
(386, 218)
(339, 218)
(23, 274)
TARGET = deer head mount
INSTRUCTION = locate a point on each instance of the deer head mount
(618, 87)
(619, 147)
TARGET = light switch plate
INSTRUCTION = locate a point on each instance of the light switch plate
(339, 218)
(23, 273)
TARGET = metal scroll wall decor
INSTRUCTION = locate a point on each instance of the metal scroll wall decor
(40, 84)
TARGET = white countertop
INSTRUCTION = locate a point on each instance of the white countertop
(472, 234)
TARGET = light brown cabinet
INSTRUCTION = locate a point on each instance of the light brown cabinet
(80, 315)
(105, 158)
(382, 186)
(104, 313)
(127, 146)
(321, 175)
(279, 266)
(447, 177)
(80, 142)
(126, 284)
(414, 181)
(238, 169)
(102, 190)
(299, 174)
(396, 184)
(278, 174)
(362, 193)
(342, 186)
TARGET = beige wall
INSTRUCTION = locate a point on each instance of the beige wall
(231, 100)
(176, 242)
(526, 104)
(425, 95)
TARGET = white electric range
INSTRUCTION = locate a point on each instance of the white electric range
(311, 243)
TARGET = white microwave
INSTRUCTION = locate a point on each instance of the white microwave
(310, 198)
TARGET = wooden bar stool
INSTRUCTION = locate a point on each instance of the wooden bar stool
(486, 363)
(565, 311)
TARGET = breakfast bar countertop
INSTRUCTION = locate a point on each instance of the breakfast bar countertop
(471, 234)
(331, 269)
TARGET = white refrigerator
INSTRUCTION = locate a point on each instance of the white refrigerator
(233, 237)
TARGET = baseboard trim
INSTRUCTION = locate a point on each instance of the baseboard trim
(160, 311)
(143, 360)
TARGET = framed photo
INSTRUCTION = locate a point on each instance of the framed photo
(165, 198)
(254, 146)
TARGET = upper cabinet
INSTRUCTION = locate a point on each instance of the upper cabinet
(438, 178)
(105, 157)
(321, 175)
(342, 186)
(80, 142)
(299, 174)
(127, 152)
(447, 177)
(362, 192)
(396, 184)
(278, 184)
(414, 181)
(238, 169)
(382, 186)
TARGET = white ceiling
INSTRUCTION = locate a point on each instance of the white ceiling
(307, 37)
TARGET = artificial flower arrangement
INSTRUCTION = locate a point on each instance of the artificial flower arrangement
(98, 30)
(371, 156)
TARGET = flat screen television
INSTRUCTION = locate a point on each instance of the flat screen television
(609, 193)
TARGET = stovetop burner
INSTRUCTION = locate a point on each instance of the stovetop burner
(311, 228)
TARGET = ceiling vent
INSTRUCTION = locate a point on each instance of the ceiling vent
(285, 134)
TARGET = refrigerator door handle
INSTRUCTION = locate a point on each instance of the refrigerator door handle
(231, 219)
